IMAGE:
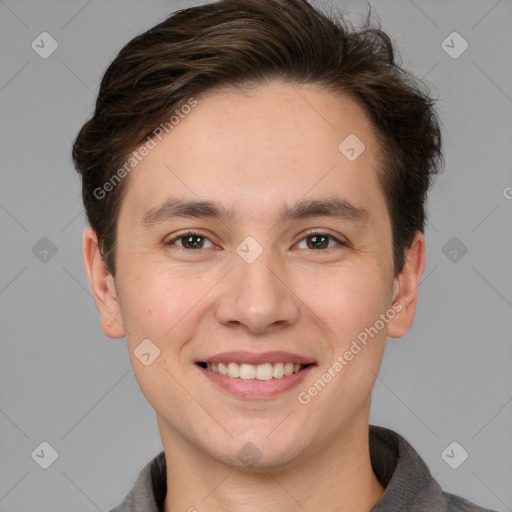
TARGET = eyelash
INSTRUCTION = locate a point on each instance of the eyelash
(306, 235)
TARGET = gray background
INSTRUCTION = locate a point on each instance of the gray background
(62, 381)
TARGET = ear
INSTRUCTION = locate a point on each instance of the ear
(405, 292)
(102, 285)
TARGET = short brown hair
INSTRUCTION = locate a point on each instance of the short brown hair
(241, 42)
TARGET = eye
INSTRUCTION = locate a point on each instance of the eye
(193, 240)
(320, 241)
(189, 240)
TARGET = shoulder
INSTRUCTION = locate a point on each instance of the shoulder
(457, 504)
(408, 481)
(149, 490)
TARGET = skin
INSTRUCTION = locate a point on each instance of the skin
(252, 152)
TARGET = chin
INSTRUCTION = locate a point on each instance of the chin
(260, 454)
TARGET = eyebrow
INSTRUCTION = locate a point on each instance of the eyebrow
(331, 207)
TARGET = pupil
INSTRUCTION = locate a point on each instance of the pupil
(316, 240)
(190, 240)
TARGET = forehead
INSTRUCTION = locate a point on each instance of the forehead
(276, 143)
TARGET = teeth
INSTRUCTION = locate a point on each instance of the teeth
(265, 371)
(247, 371)
(233, 370)
(278, 370)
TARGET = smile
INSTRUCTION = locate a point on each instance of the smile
(266, 371)
(254, 376)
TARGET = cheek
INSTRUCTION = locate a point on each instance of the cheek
(154, 305)
(347, 301)
(156, 312)
(349, 305)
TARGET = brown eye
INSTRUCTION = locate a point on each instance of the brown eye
(320, 241)
(189, 241)
(192, 241)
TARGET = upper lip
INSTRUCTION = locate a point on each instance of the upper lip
(241, 357)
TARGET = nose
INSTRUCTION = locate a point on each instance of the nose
(258, 296)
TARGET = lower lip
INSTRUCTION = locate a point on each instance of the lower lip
(254, 389)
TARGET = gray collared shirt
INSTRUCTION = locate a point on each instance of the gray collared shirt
(409, 485)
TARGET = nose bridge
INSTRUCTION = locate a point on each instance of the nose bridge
(256, 295)
(254, 271)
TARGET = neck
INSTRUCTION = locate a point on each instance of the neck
(335, 477)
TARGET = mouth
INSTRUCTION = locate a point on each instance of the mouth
(256, 376)
(245, 371)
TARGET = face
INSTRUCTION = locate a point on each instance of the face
(249, 242)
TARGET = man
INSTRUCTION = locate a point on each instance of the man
(255, 177)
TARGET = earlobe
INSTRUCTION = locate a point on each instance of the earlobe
(102, 286)
(405, 288)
